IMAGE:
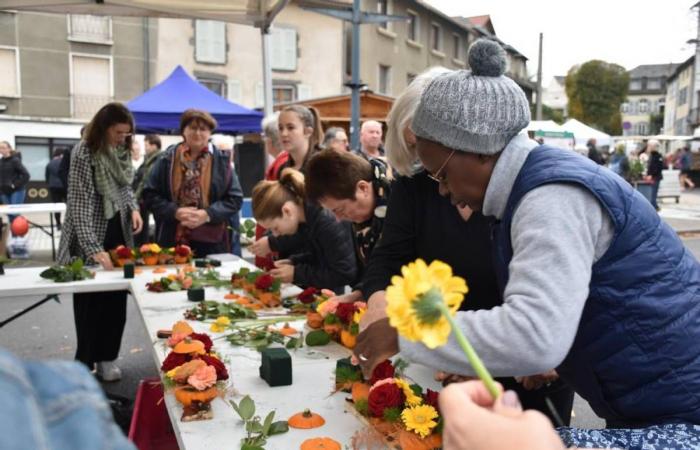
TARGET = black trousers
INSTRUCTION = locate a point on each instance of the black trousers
(559, 393)
(100, 316)
(57, 195)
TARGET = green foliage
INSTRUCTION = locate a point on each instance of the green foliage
(247, 228)
(347, 375)
(210, 309)
(548, 113)
(257, 431)
(257, 334)
(362, 406)
(400, 367)
(75, 271)
(392, 414)
(417, 389)
(656, 123)
(636, 169)
(595, 90)
(317, 338)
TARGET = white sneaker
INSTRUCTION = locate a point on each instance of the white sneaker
(108, 371)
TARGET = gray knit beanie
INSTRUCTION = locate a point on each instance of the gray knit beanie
(478, 110)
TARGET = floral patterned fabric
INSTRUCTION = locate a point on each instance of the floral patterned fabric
(678, 436)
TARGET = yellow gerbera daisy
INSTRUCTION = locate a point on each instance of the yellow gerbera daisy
(420, 419)
(358, 315)
(221, 323)
(411, 398)
(155, 248)
(171, 373)
(413, 301)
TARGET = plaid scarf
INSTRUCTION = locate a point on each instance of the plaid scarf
(113, 171)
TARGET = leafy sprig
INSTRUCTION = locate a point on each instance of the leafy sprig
(74, 271)
(258, 430)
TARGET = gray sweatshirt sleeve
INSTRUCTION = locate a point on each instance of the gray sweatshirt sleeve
(558, 232)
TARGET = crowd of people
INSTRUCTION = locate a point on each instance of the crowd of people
(575, 283)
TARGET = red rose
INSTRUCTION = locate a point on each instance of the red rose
(344, 311)
(204, 339)
(182, 250)
(263, 282)
(221, 372)
(308, 295)
(383, 370)
(174, 360)
(431, 398)
(123, 252)
(387, 395)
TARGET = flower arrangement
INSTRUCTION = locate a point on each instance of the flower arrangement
(261, 285)
(122, 255)
(149, 253)
(192, 370)
(340, 320)
(173, 282)
(182, 254)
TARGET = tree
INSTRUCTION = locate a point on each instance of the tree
(656, 123)
(549, 113)
(596, 89)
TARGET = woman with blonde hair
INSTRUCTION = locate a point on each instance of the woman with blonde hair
(316, 249)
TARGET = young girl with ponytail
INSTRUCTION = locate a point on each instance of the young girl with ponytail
(316, 250)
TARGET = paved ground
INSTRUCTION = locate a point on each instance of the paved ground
(48, 332)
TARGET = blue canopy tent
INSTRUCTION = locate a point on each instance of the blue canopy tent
(158, 110)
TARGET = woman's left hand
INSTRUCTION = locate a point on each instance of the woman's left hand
(136, 221)
(196, 219)
(284, 270)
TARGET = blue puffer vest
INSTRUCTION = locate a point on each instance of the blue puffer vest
(636, 355)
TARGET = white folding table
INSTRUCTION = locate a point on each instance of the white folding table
(32, 208)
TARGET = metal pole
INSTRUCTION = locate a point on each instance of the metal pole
(267, 70)
(355, 99)
(695, 88)
(146, 55)
(538, 112)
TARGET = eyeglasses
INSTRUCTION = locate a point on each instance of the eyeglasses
(438, 176)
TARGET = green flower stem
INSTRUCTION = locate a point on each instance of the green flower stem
(473, 358)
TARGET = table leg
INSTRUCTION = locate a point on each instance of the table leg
(53, 242)
(26, 310)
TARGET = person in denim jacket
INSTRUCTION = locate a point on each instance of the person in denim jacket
(54, 405)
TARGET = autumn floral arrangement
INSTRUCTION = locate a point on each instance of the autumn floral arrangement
(123, 255)
(339, 320)
(193, 371)
(260, 285)
(149, 253)
(179, 281)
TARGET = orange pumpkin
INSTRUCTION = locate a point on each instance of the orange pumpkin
(306, 420)
(314, 320)
(320, 443)
(332, 328)
(188, 269)
(160, 270)
(150, 260)
(121, 262)
(181, 259)
(409, 440)
(187, 395)
(230, 296)
(138, 270)
(269, 299)
(360, 391)
(188, 346)
(348, 339)
(182, 327)
(286, 330)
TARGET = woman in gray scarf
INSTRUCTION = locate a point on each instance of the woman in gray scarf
(101, 213)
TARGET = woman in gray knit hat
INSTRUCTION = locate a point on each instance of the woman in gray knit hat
(594, 283)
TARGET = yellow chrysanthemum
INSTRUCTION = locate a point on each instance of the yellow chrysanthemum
(412, 300)
(411, 398)
(221, 323)
(171, 373)
(420, 419)
(358, 315)
(155, 248)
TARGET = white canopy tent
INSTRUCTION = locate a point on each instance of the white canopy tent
(256, 13)
(544, 125)
(583, 133)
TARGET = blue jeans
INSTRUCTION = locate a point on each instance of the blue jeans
(56, 404)
(16, 198)
(655, 193)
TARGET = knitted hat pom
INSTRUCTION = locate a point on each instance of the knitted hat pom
(487, 58)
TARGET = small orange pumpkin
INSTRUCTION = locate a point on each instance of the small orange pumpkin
(320, 443)
(150, 260)
(286, 330)
(348, 339)
(187, 395)
(231, 296)
(360, 391)
(188, 346)
(306, 420)
(181, 259)
(409, 440)
(138, 270)
(160, 270)
(188, 269)
(182, 327)
(314, 320)
(269, 299)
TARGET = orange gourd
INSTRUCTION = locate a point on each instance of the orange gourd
(188, 346)
(269, 299)
(181, 259)
(188, 269)
(320, 443)
(409, 440)
(138, 270)
(187, 395)
(306, 420)
(150, 260)
(286, 330)
(182, 327)
(230, 296)
(160, 270)
(360, 391)
(314, 320)
(348, 339)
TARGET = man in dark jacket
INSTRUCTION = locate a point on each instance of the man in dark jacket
(152, 145)
(13, 177)
(57, 190)
(593, 153)
(655, 167)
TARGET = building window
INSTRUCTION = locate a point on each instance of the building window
(36, 153)
(643, 106)
(683, 96)
(456, 46)
(383, 8)
(636, 85)
(91, 84)
(624, 108)
(210, 42)
(283, 49)
(435, 37)
(282, 94)
(653, 84)
(216, 85)
(642, 128)
(413, 26)
(93, 29)
(384, 79)
(9, 75)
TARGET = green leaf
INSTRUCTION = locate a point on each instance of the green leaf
(251, 447)
(236, 408)
(417, 389)
(77, 265)
(392, 414)
(362, 406)
(267, 423)
(279, 427)
(253, 427)
(247, 408)
(248, 223)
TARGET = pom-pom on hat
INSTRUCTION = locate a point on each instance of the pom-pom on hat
(476, 111)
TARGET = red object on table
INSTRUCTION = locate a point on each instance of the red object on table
(20, 226)
(150, 427)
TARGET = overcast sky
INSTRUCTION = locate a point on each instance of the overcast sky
(626, 32)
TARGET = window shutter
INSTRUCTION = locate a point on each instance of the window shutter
(283, 53)
(303, 92)
(234, 91)
(290, 49)
(210, 41)
(9, 84)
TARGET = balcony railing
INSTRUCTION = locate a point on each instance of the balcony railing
(93, 29)
(85, 106)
